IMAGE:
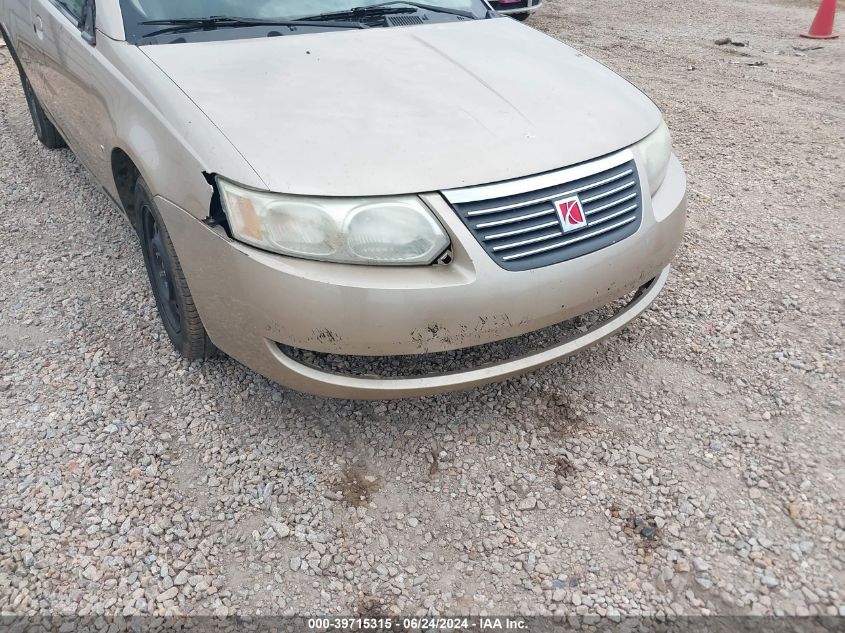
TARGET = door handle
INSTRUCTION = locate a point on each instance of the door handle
(38, 26)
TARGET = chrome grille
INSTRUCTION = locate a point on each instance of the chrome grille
(517, 224)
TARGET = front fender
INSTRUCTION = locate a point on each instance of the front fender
(170, 141)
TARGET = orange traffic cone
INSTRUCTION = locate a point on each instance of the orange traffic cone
(822, 26)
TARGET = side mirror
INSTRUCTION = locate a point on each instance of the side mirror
(88, 21)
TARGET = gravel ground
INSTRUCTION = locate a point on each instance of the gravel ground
(691, 465)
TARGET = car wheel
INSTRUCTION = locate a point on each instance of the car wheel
(44, 129)
(173, 298)
(520, 16)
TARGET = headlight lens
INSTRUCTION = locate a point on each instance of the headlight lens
(656, 149)
(391, 231)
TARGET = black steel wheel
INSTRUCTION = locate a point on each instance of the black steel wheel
(170, 288)
(44, 128)
(161, 273)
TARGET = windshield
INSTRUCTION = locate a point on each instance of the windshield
(165, 21)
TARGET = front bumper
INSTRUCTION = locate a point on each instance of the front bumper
(522, 6)
(250, 300)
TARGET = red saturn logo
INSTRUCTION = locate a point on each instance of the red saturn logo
(571, 213)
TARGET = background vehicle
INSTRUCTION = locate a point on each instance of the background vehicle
(518, 9)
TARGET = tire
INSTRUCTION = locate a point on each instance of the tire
(44, 129)
(176, 306)
(520, 16)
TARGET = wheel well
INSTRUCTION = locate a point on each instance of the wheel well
(125, 175)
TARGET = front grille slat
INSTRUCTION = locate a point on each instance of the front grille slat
(520, 218)
(533, 240)
(529, 229)
(563, 194)
(599, 196)
(570, 241)
(515, 221)
(610, 205)
(613, 215)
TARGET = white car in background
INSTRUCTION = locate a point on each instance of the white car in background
(518, 9)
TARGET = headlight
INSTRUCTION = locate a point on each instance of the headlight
(656, 148)
(383, 231)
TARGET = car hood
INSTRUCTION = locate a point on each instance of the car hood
(407, 109)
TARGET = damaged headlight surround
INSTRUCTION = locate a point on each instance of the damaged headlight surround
(656, 150)
(379, 231)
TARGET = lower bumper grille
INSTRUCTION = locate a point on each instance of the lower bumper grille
(519, 223)
(464, 359)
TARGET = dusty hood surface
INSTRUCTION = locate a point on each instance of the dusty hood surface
(413, 109)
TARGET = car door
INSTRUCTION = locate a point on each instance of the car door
(69, 78)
